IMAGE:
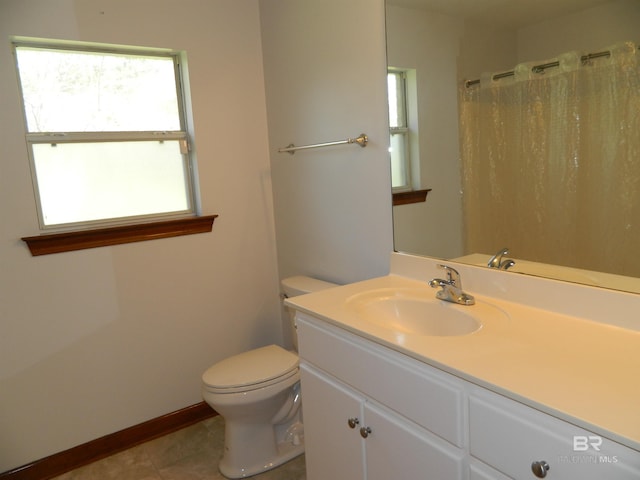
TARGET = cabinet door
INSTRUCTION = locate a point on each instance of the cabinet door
(400, 450)
(333, 449)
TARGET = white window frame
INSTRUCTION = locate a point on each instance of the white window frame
(403, 130)
(182, 136)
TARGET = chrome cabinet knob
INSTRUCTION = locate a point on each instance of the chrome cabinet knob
(352, 422)
(365, 432)
(540, 468)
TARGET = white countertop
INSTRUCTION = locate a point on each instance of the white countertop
(582, 371)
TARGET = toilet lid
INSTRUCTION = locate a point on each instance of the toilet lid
(251, 368)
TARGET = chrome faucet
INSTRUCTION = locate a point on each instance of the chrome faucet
(498, 262)
(451, 288)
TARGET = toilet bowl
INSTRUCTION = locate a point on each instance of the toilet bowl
(258, 395)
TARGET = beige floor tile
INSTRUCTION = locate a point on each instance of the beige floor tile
(200, 466)
(188, 442)
(192, 453)
(292, 470)
(132, 464)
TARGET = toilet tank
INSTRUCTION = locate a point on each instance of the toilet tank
(299, 285)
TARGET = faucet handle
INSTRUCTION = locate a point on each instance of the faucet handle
(452, 275)
(451, 287)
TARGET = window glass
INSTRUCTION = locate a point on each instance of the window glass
(70, 91)
(398, 171)
(94, 181)
(397, 101)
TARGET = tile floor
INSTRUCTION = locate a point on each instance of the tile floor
(188, 454)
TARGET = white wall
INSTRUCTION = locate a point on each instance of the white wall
(325, 73)
(98, 340)
(429, 43)
(588, 31)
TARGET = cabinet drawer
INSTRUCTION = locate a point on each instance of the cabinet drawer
(510, 436)
(418, 392)
(480, 471)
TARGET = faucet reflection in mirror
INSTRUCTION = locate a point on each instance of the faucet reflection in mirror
(498, 261)
(577, 130)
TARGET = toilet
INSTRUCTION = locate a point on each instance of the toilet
(258, 395)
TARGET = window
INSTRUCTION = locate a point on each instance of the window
(399, 130)
(106, 133)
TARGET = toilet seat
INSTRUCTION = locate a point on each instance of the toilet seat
(251, 370)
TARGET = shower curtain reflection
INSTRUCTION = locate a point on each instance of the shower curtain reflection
(551, 162)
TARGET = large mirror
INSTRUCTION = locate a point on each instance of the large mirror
(568, 194)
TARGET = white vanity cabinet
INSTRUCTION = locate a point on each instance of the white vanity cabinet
(348, 436)
(371, 416)
(371, 412)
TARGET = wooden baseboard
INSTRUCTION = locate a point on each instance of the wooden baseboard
(100, 448)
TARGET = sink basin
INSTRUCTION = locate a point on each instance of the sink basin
(417, 312)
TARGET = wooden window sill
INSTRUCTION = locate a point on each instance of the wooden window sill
(414, 196)
(69, 241)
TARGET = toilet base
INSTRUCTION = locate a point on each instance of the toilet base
(265, 453)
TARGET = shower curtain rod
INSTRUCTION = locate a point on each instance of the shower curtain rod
(541, 68)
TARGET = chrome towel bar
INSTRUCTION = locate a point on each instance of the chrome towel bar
(361, 140)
